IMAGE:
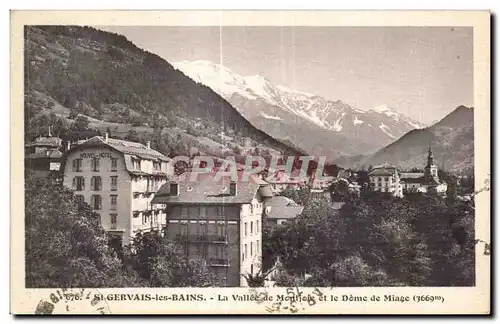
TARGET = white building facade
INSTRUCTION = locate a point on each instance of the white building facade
(385, 178)
(118, 180)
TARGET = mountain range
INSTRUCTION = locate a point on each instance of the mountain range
(312, 122)
(74, 70)
(451, 140)
(107, 78)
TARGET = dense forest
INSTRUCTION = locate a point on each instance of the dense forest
(375, 240)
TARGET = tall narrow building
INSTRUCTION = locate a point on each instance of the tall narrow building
(118, 179)
(217, 220)
(428, 181)
(431, 170)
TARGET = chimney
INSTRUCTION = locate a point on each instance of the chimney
(148, 144)
(174, 189)
(232, 188)
(106, 136)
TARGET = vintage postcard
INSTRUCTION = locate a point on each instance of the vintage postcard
(250, 162)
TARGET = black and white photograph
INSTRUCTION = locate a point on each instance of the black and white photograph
(255, 157)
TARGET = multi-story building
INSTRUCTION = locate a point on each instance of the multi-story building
(217, 220)
(118, 179)
(385, 178)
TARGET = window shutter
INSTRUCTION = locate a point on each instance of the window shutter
(74, 165)
(99, 199)
(83, 183)
(100, 183)
(92, 183)
(74, 179)
(97, 164)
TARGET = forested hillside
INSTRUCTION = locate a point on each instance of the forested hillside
(72, 70)
(451, 139)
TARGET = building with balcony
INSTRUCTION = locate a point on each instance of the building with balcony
(217, 220)
(118, 180)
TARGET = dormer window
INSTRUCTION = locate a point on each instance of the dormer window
(156, 166)
(137, 164)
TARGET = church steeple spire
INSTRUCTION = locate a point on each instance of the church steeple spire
(431, 170)
(430, 157)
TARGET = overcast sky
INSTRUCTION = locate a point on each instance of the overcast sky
(423, 72)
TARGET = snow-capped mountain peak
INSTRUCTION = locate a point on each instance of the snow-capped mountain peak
(395, 115)
(257, 98)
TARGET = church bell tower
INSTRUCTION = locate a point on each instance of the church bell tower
(431, 170)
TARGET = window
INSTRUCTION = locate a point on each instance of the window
(251, 208)
(78, 183)
(80, 199)
(242, 256)
(113, 201)
(96, 183)
(386, 179)
(221, 229)
(246, 251)
(114, 164)
(95, 165)
(77, 165)
(220, 210)
(156, 166)
(257, 247)
(96, 202)
(251, 228)
(184, 229)
(137, 164)
(203, 251)
(257, 226)
(246, 226)
(113, 220)
(251, 249)
(114, 183)
(220, 252)
(202, 229)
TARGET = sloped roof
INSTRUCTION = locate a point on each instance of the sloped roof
(49, 153)
(384, 166)
(206, 188)
(284, 212)
(413, 175)
(280, 207)
(47, 141)
(422, 180)
(381, 172)
(129, 149)
(282, 201)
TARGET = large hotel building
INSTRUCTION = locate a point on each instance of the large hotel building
(118, 179)
(217, 220)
